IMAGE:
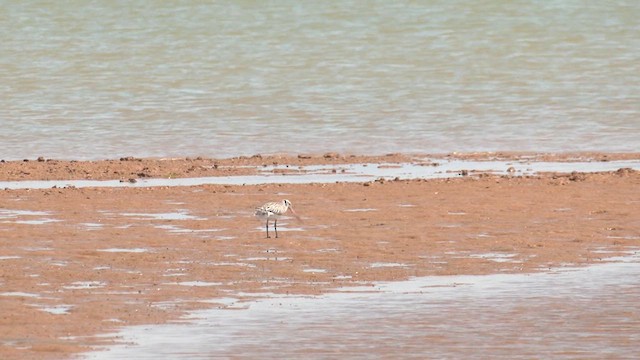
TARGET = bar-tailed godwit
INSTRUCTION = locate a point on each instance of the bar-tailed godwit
(274, 210)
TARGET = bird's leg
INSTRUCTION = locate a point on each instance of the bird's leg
(275, 226)
(267, 226)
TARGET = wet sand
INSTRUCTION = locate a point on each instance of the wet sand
(131, 168)
(76, 263)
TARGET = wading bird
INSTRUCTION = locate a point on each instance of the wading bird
(274, 210)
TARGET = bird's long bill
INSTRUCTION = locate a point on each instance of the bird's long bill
(294, 214)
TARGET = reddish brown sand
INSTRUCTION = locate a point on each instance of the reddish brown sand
(432, 227)
(129, 168)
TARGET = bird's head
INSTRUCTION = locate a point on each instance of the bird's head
(288, 205)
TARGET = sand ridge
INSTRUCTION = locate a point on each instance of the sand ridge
(131, 168)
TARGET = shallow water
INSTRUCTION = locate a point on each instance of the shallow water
(55, 310)
(178, 215)
(587, 313)
(95, 80)
(342, 173)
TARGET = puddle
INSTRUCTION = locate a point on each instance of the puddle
(315, 271)
(387, 265)
(179, 215)
(179, 230)
(35, 248)
(85, 285)
(350, 173)
(329, 250)
(165, 305)
(124, 250)
(18, 217)
(55, 310)
(495, 257)
(275, 258)
(113, 320)
(36, 222)
(629, 237)
(603, 251)
(407, 205)
(20, 294)
(281, 228)
(450, 225)
(360, 210)
(241, 264)
(196, 283)
(10, 257)
(258, 295)
(569, 313)
(10, 214)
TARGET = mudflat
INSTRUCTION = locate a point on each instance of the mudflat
(131, 168)
(79, 262)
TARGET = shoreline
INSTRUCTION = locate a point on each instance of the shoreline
(80, 262)
(128, 168)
